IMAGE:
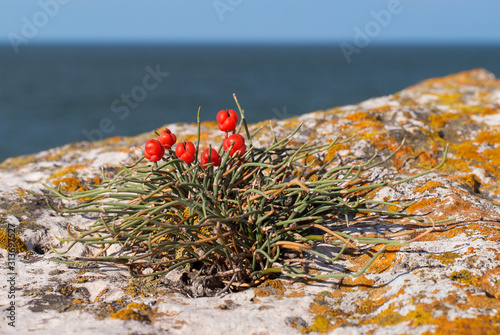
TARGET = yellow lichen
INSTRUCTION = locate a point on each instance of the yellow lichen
(128, 314)
(70, 184)
(493, 155)
(446, 258)
(449, 98)
(67, 170)
(139, 306)
(368, 305)
(82, 279)
(464, 277)
(12, 242)
(388, 317)
(320, 325)
(334, 150)
(67, 290)
(439, 120)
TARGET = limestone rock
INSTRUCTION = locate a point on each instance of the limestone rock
(446, 281)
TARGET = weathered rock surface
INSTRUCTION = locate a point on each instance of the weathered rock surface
(447, 281)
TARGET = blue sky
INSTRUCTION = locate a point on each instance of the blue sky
(272, 21)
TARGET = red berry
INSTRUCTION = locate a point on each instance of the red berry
(239, 146)
(186, 151)
(214, 157)
(153, 151)
(227, 120)
(167, 138)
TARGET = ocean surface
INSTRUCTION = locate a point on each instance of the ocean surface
(53, 95)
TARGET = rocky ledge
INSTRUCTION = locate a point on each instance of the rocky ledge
(446, 280)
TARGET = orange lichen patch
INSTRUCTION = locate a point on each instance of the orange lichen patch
(100, 294)
(333, 151)
(469, 180)
(446, 258)
(471, 230)
(95, 180)
(489, 136)
(321, 307)
(480, 324)
(381, 264)
(464, 277)
(428, 186)
(295, 294)
(426, 160)
(475, 77)
(467, 150)
(494, 155)
(493, 170)
(359, 116)
(361, 282)
(82, 279)
(454, 206)
(490, 282)
(479, 301)
(423, 314)
(439, 120)
(70, 184)
(362, 124)
(488, 111)
(384, 108)
(67, 170)
(381, 142)
(423, 206)
(270, 287)
(453, 165)
(386, 261)
(67, 290)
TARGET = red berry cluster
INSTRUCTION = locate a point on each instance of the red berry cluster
(227, 120)
(155, 149)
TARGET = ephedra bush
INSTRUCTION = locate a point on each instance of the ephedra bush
(235, 213)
